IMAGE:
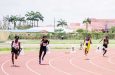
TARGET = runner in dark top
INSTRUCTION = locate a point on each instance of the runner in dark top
(15, 48)
(105, 44)
(43, 48)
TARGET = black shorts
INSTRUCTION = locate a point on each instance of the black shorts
(86, 44)
(105, 45)
(16, 51)
(43, 48)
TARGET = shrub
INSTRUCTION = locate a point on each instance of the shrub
(80, 36)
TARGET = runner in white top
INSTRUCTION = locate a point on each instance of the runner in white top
(15, 49)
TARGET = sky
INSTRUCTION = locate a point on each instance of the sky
(72, 11)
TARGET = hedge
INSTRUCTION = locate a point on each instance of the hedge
(69, 36)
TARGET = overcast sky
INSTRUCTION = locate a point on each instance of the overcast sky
(70, 10)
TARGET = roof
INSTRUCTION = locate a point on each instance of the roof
(42, 29)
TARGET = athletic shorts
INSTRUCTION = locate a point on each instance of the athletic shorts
(43, 48)
(16, 51)
(86, 44)
(105, 45)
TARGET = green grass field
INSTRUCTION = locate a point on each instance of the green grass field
(62, 41)
(30, 45)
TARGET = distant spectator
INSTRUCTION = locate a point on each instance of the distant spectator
(81, 45)
(62, 37)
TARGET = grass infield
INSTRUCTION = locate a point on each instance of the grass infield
(30, 45)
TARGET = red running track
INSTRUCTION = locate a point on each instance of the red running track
(60, 63)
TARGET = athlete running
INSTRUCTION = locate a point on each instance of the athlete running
(43, 48)
(15, 48)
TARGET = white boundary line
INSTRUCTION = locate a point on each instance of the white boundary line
(2, 67)
(57, 69)
(27, 66)
(49, 65)
(70, 61)
(100, 66)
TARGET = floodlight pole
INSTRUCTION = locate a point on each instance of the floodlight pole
(54, 24)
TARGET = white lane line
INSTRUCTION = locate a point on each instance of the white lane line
(55, 68)
(70, 61)
(29, 68)
(2, 67)
(100, 66)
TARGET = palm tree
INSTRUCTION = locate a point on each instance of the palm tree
(61, 23)
(29, 16)
(38, 17)
(34, 16)
(13, 19)
(7, 19)
(21, 19)
(87, 22)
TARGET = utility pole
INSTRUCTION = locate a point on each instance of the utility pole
(54, 24)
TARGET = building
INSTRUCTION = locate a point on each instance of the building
(75, 26)
(96, 25)
(101, 24)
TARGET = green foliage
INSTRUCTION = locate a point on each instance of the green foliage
(34, 16)
(96, 35)
(80, 30)
(11, 36)
(61, 23)
(111, 35)
(21, 18)
(24, 27)
(87, 22)
(13, 19)
(69, 36)
(112, 30)
(59, 30)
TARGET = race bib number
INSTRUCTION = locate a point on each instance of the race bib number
(44, 44)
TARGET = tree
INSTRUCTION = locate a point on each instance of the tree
(87, 22)
(7, 18)
(61, 23)
(1, 26)
(59, 30)
(34, 16)
(21, 19)
(5, 23)
(112, 30)
(29, 17)
(13, 19)
(38, 17)
(24, 27)
(80, 30)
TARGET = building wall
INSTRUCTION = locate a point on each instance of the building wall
(74, 26)
(98, 24)
(4, 35)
